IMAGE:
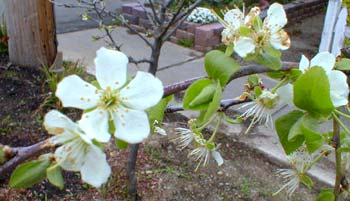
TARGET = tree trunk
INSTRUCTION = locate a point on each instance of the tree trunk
(31, 28)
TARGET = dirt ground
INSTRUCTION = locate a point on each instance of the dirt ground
(164, 172)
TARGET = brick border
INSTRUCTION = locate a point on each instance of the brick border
(207, 37)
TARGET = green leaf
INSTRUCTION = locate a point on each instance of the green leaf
(312, 92)
(344, 149)
(343, 64)
(214, 104)
(253, 80)
(313, 140)
(276, 74)
(193, 91)
(205, 96)
(157, 112)
(269, 61)
(325, 195)
(219, 66)
(307, 181)
(54, 175)
(283, 126)
(121, 144)
(29, 174)
(272, 51)
(294, 74)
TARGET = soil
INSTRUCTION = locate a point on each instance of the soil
(164, 172)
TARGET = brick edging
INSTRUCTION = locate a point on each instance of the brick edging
(207, 37)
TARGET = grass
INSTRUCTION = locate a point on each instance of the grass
(186, 42)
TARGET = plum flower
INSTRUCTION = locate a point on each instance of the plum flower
(300, 162)
(271, 33)
(233, 20)
(77, 151)
(114, 99)
(339, 89)
(262, 107)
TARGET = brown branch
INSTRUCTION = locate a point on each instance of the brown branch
(21, 154)
(244, 71)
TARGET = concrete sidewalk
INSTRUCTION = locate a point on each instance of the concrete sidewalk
(176, 64)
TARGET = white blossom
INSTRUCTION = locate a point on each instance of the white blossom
(77, 151)
(114, 99)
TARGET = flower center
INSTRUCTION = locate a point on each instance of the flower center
(109, 98)
(268, 100)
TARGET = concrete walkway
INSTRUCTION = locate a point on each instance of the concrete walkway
(178, 63)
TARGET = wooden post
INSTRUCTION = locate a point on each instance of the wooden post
(31, 28)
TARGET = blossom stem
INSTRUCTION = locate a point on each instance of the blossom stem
(313, 162)
(339, 170)
(216, 129)
(212, 118)
(342, 114)
(284, 80)
(336, 118)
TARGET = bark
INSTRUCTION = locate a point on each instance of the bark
(31, 28)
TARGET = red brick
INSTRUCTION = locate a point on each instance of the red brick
(131, 19)
(191, 27)
(203, 35)
(202, 48)
(127, 8)
(145, 23)
(139, 12)
(184, 35)
(174, 39)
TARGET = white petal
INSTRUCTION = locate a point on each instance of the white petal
(285, 93)
(75, 92)
(57, 123)
(234, 18)
(95, 124)
(276, 18)
(248, 20)
(217, 156)
(244, 46)
(70, 156)
(325, 60)
(339, 88)
(131, 126)
(95, 170)
(304, 63)
(142, 92)
(280, 40)
(111, 66)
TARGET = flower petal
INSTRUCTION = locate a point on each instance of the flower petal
(131, 126)
(142, 92)
(244, 46)
(285, 93)
(217, 156)
(304, 63)
(57, 123)
(280, 40)
(95, 170)
(111, 67)
(70, 156)
(248, 20)
(234, 18)
(276, 18)
(75, 92)
(339, 88)
(325, 60)
(95, 124)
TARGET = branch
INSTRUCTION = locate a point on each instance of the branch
(225, 105)
(23, 153)
(244, 71)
